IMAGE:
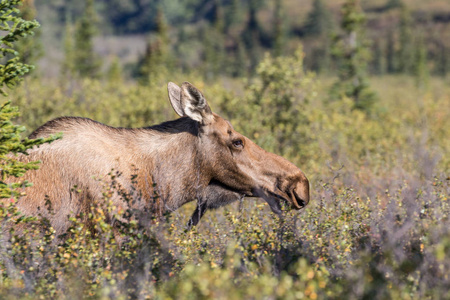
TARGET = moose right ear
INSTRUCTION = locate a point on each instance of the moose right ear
(175, 98)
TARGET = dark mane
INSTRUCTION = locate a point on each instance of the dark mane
(63, 123)
(183, 124)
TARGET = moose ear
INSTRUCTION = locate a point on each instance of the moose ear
(175, 98)
(194, 104)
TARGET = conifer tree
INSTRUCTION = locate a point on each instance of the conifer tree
(87, 62)
(162, 29)
(420, 66)
(390, 52)
(233, 15)
(240, 61)
(155, 62)
(406, 40)
(251, 35)
(319, 23)
(149, 65)
(214, 39)
(68, 64)
(13, 29)
(378, 61)
(279, 28)
(30, 46)
(114, 74)
(319, 19)
(394, 4)
(352, 52)
(443, 65)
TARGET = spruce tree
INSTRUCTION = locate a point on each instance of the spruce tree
(406, 40)
(420, 66)
(239, 64)
(233, 15)
(252, 34)
(12, 29)
(319, 24)
(87, 62)
(68, 64)
(390, 52)
(29, 47)
(279, 28)
(155, 62)
(114, 74)
(351, 50)
(162, 29)
(378, 64)
(319, 19)
(443, 61)
(214, 39)
(394, 4)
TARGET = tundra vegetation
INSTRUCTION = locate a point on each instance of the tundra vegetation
(377, 225)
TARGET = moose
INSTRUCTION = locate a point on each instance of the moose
(196, 157)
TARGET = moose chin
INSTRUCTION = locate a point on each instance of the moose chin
(198, 156)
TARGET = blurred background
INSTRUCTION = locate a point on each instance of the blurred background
(229, 37)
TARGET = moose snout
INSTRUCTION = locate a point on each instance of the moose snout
(300, 192)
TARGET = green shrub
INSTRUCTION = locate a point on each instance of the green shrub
(377, 225)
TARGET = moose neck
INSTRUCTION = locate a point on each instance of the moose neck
(170, 157)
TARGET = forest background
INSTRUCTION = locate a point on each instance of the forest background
(356, 93)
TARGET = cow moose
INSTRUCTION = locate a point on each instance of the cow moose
(196, 157)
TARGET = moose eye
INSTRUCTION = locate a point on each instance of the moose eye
(239, 144)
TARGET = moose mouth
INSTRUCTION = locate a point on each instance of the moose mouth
(275, 200)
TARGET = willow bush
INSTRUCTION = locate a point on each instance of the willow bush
(377, 225)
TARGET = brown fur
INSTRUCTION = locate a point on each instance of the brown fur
(197, 156)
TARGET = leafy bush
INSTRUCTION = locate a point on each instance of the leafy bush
(377, 225)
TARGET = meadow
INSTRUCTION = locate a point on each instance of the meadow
(377, 226)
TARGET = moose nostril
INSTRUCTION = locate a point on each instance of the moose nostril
(301, 192)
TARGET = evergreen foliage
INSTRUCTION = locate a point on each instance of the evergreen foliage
(13, 28)
(239, 65)
(86, 61)
(319, 25)
(420, 66)
(390, 52)
(254, 23)
(279, 28)
(68, 64)
(352, 52)
(394, 4)
(233, 15)
(406, 43)
(252, 34)
(114, 74)
(214, 43)
(443, 65)
(155, 62)
(378, 62)
(30, 47)
(319, 19)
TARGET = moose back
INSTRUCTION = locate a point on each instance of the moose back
(196, 157)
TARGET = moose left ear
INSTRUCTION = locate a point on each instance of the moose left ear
(175, 98)
(194, 104)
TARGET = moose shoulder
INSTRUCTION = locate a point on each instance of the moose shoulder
(196, 157)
